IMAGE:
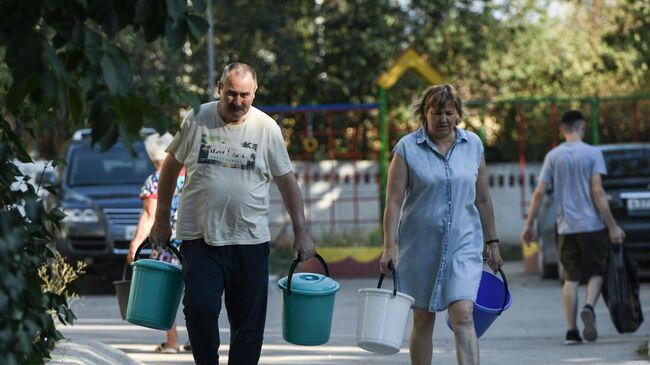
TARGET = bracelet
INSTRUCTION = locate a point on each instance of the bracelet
(489, 242)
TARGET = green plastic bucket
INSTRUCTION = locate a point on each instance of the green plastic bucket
(307, 306)
(156, 291)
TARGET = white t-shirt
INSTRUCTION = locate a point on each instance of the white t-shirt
(229, 169)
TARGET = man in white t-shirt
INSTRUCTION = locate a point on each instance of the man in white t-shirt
(231, 151)
(584, 221)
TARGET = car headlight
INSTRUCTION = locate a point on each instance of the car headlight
(80, 215)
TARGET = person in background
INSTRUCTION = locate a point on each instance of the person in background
(155, 145)
(231, 151)
(439, 212)
(574, 169)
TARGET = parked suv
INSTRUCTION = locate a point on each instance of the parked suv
(627, 185)
(99, 192)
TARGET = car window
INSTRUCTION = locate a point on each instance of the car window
(628, 162)
(90, 166)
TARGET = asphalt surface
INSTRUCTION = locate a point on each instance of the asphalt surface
(530, 332)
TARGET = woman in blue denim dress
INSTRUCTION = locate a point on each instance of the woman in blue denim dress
(155, 145)
(439, 213)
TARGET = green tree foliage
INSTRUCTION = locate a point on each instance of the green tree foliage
(629, 35)
(557, 56)
(519, 49)
(307, 52)
(318, 52)
(66, 64)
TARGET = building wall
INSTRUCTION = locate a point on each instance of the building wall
(344, 195)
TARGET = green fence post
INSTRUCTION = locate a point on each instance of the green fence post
(595, 132)
(383, 155)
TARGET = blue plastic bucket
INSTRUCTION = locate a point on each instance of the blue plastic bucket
(156, 291)
(307, 306)
(493, 298)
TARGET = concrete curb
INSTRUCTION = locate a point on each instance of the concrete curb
(88, 352)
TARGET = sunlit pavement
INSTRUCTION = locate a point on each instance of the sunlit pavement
(530, 332)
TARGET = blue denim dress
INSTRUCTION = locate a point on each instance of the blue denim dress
(440, 238)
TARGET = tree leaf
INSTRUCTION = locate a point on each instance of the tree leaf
(197, 26)
(144, 10)
(75, 104)
(110, 137)
(57, 161)
(56, 214)
(111, 77)
(176, 8)
(50, 189)
(128, 110)
(192, 99)
(49, 57)
(97, 118)
(175, 33)
(21, 154)
(154, 26)
(117, 73)
(199, 5)
(16, 94)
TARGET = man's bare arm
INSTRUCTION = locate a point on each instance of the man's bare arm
(303, 244)
(535, 203)
(616, 234)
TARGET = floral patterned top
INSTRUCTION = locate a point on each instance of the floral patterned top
(150, 191)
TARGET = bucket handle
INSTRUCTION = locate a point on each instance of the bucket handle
(505, 285)
(381, 278)
(506, 295)
(169, 246)
(124, 271)
(293, 268)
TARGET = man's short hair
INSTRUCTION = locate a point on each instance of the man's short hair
(239, 69)
(571, 119)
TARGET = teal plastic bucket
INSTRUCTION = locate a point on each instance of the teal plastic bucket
(156, 291)
(493, 298)
(307, 306)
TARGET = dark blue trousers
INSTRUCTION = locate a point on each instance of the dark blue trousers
(241, 272)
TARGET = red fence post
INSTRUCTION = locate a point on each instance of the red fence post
(522, 159)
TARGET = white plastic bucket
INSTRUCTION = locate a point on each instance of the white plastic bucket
(382, 318)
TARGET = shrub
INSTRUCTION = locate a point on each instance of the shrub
(27, 331)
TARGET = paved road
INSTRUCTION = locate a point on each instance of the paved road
(531, 332)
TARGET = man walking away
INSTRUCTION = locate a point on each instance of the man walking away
(574, 169)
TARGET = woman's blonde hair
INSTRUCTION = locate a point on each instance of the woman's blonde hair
(156, 144)
(437, 97)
